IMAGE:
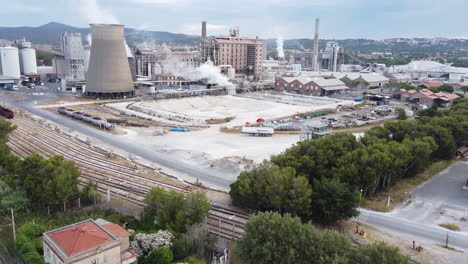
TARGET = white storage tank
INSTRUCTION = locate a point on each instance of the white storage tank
(9, 62)
(28, 61)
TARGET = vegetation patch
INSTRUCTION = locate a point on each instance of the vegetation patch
(450, 226)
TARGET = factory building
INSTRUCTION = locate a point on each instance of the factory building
(74, 54)
(331, 57)
(148, 62)
(310, 86)
(109, 74)
(244, 55)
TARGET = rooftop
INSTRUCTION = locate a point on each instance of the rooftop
(238, 41)
(81, 237)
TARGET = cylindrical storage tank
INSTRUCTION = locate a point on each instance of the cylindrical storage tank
(109, 73)
(28, 61)
(9, 62)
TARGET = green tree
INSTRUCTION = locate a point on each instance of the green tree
(162, 255)
(5, 129)
(269, 187)
(15, 199)
(90, 193)
(175, 211)
(196, 208)
(401, 114)
(333, 201)
(377, 253)
(272, 238)
(446, 88)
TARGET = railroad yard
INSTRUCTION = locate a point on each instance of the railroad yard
(117, 177)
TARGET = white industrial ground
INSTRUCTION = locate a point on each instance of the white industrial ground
(209, 147)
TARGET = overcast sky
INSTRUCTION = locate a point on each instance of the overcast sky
(374, 19)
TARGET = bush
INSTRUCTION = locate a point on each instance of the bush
(31, 230)
(33, 258)
(162, 255)
(450, 226)
(181, 249)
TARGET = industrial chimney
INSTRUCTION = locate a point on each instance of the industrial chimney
(316, 46)
(109, 73)
(203, 30)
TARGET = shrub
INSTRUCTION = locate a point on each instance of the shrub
(31, 230)
(450, 226)
(162, 255)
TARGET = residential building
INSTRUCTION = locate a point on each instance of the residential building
(428, 98)
(88, 242)
(310, 86)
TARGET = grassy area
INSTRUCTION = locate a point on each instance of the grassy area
(450, 226)
(400, 191)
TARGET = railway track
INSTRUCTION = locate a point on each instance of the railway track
(120, 180)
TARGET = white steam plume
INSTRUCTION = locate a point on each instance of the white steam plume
(89, 39)
(205, 71)
(279, 46)
(95, 13)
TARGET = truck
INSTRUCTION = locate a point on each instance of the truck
(258, 131)
(12, 87)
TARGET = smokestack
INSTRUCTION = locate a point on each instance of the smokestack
(203, 30)
(316, 46)
(109, 73)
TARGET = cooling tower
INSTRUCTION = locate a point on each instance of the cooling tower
(109, 73)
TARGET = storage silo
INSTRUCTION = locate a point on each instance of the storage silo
(9, 62)
(28, 62)
(109, 71)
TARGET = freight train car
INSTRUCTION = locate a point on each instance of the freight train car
(95, 121)
(7, 113)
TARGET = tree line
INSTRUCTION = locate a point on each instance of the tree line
(272, 238)
(34, 181)
(323, 179)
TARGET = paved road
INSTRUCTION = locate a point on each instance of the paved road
(210, 177)
(413, 231)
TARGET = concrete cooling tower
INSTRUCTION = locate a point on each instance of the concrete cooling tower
(109, 73)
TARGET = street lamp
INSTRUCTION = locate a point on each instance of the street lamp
(359, 209)
(231, 218)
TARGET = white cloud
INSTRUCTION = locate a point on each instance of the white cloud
(94, 13)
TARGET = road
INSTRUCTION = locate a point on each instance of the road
(413, 231)
(209, 177)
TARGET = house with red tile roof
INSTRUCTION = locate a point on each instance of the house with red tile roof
(428, 98)
(90, 242)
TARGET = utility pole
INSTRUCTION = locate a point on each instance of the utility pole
(446, 241)
(13, 225)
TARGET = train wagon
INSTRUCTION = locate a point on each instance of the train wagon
(7, 113)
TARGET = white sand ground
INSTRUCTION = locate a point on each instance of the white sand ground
(210, 144)
(243, 109)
